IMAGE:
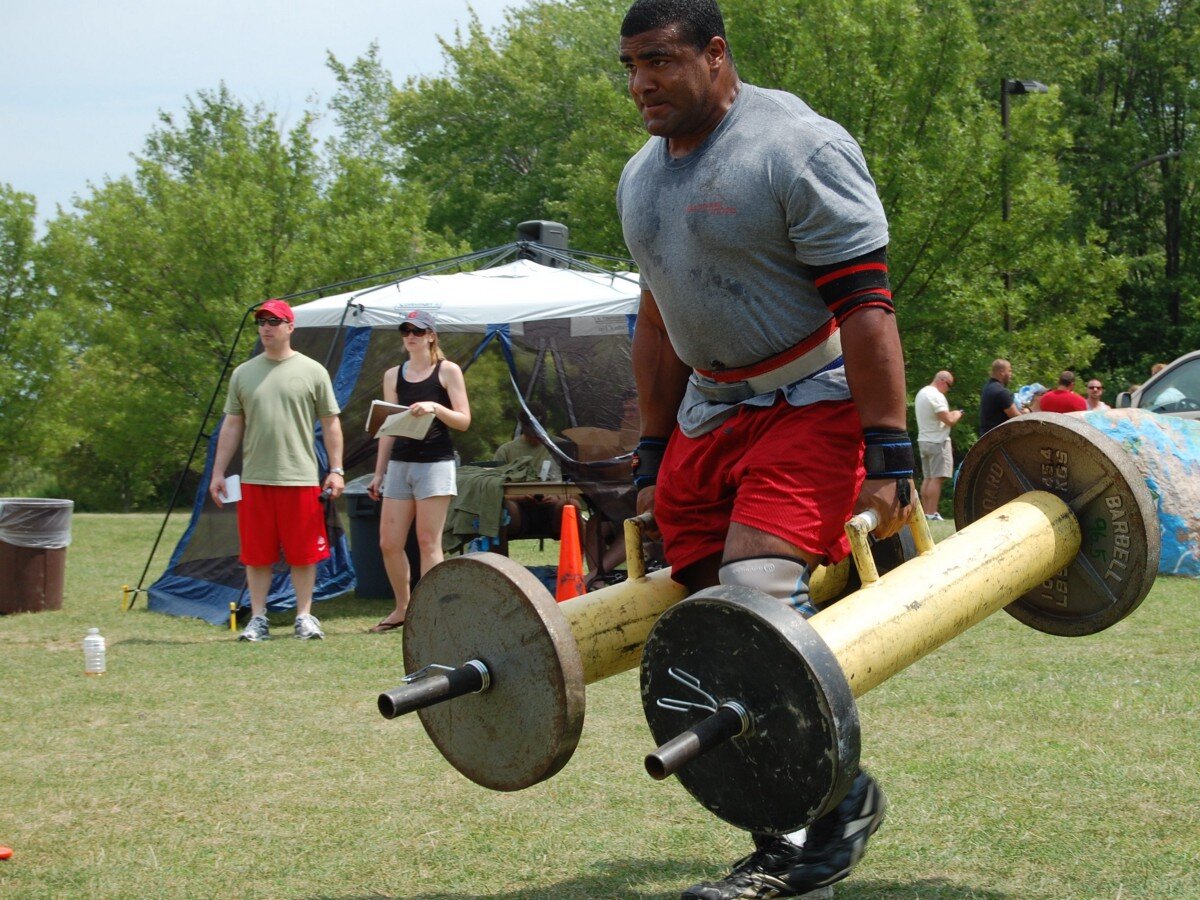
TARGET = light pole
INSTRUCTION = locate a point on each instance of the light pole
(1010, 86)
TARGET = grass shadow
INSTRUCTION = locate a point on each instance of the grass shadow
(921, 889)
(616, 880)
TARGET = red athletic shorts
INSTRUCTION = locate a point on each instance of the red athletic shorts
(791, 471)
(271, 517)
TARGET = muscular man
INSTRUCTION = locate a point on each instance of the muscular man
(273, 401)
(996, 402)
(766, 353)
(935, 418)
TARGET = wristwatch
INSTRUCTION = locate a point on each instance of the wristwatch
(338, 470)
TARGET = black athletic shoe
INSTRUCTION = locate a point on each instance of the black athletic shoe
(833, 846)
(750, 875)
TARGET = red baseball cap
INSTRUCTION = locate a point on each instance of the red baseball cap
(276, 308)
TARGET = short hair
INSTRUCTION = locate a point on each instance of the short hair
(536, 411)
(1067, 378)
(1000, 365)
(699, 21)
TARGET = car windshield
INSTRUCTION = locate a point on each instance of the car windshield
(1178, 390)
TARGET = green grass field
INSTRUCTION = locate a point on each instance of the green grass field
(1017, 765)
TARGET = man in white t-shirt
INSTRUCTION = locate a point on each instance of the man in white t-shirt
(934, 420)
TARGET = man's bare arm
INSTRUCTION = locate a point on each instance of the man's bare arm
(661, 379)
(228, 441)
(875, 374)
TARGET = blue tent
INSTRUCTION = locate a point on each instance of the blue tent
(553, 313)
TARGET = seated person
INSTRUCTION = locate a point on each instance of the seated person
(527, 446)
(532, 515)
(612, 495)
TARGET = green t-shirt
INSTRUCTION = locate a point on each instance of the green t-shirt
(280, 399)
(537, 453)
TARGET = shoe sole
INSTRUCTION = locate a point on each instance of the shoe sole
(310, 637)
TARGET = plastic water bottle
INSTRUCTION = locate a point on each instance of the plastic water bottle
(93, 653)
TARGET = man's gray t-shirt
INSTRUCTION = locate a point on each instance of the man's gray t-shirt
(726, 236)
(280, 399)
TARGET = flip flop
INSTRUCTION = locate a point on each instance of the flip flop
(383, 627)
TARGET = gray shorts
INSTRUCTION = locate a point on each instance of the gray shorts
(419, 481)
(937, 460)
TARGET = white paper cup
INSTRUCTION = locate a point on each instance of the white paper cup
(233, 489)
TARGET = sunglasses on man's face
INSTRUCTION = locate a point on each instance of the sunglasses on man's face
(270, 320)
(1095, 387)
(410, 329)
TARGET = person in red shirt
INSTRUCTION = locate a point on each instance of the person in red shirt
(1063, 398)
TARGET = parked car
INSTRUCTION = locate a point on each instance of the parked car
(1174, 391)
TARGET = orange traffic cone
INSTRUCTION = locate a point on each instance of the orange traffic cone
(570, 558)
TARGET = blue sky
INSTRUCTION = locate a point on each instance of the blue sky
(81, 83)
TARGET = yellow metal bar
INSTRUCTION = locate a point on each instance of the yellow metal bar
(858, 530)
(635, 535)
(611, 625)
(919, 526)
(917, 607)
(829, 582)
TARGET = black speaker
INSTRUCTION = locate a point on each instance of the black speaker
(554, 235)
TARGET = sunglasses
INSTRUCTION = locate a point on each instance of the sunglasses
(1095, 387)
(410, 329)
(270, 320)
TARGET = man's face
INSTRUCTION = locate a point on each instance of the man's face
(1005, 375)
(944, 384)
(1095, 390)
(672, 82)
(273, 331)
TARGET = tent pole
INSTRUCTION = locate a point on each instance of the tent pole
(562, 381)
(192, 456)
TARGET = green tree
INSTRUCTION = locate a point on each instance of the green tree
(31, 345)
(1128, 75)
(1138, 140)
(528, 123)
(156, 271)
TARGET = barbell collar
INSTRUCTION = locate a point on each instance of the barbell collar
(729, 721)
(426, 689)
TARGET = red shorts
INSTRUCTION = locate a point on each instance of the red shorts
(272, 516)
(791, 471)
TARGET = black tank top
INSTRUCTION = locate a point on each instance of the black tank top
(436, 445)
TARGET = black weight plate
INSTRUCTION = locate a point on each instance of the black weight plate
(801, 753)
(1118, 559)
(525, 727)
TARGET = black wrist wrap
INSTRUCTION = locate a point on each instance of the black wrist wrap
(646, 460)
(888, 453)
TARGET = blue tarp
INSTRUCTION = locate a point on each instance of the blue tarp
(204, 575)
(1166, 450)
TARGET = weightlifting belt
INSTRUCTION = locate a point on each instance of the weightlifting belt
(811, 355)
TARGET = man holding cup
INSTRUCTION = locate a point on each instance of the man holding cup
(273, 401)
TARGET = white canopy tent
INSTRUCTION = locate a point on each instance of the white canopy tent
(562, 315)
(594, 303)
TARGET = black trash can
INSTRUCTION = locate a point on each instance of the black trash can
(370, 574)
(34, 534)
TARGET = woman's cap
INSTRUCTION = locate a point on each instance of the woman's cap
(420, 318)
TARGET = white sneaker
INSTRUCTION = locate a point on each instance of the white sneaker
(934, 517)
(308, 627)
(257, 629)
